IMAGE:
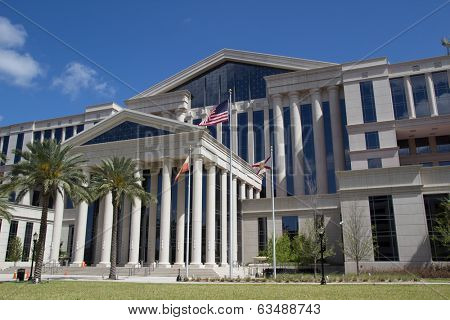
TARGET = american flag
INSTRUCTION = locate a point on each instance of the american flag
(218, 114)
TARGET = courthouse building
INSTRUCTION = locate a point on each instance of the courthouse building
(368, 137)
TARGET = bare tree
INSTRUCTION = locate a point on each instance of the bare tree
(357, 238)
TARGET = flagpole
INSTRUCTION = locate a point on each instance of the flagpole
(274, 256)
(231, 183)
(188, 213)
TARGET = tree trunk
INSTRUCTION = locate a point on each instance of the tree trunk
(112, 270)
(357, 267)
(40, 245)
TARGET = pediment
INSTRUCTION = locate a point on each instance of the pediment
(129, 125)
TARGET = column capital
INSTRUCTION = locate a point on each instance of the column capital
(332, 88)
(293, 96)
(155, 170)
(209, 164)
(314, 91)
(276, 97)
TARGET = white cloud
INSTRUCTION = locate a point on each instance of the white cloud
(1, 118)
(15, 67)
(77, 77)
(11, 36)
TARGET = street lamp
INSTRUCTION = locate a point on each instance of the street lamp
(321, 232)
(35, 239)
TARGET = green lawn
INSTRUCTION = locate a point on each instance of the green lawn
(109, 290)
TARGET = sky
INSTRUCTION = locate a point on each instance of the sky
(57, 57)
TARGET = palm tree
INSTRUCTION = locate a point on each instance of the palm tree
(118, 176)
(5, 208)
(49, 168)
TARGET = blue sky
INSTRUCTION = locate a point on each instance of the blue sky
(147, 41)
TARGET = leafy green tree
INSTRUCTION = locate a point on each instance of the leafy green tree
(282, 248)
(442, 227)
(14, 250)
(49, 168)
(118, 176)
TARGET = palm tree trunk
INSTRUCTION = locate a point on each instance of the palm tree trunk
(40, 246)
(112, 270)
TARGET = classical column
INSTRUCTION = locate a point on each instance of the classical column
(235, 236)
(151, 250)
(297, 144)
(257, 194)
(409, 97)
(196, 259)
(279, 153)
(80, 232)
(63, 134)
(431, 95)
(57, 227)
(242, 190)
(135, 230)
(336, 128)
(105, 260)
(210, 216)
(166, 194)
(181, 210)
(180, 114)
(250, 192)
(267, 151)
(319, 142)
(223, 218)
(250, 137)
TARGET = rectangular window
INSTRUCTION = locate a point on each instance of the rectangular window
(444, 163)
(443, 143)
(47, 134)
(242, 132)
(368, 101)
(288, 151)
(19, 146)
(69, 132)
(399, 98)
(12, 234)
(372, 140)
(226, 134)
(383, 228)
(262, 235)
(37, 136)
(27, 241)
(80, 128)
(58, 135)
(434, 212)
(70, 241)
(442, 91)
(331, 174)
(5, 147)
(403, 147)
(420, 95)
(309, 166)
(35, 201)
(345, 134)
(12, 197)
(290, 226)
(422, 145)
(69, 202)
(374, 163)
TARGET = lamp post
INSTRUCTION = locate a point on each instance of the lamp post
(35, 238)
(322, 250)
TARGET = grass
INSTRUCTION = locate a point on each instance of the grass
(79, 290)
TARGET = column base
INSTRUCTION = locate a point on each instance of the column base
(210, 265)
(76, 264)
(196, 265)
(179, 265)
(133, 265)
(103, 265)
(164, 265)
(224, 264)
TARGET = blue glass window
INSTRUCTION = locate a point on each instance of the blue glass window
(290, 225)
(58, 135)
(420, 95)
(69, 202)
(443, 143)
(433, 212)
(399, 98)
(19, 146)
(5, 147)
(127, 131)
(442, 91)
(37, 136)
(242, 132)
(383, 228)
(211, 87)
(309, 164)
(258, 135)
(374, 163)
(288, 151)
(403, 147)
(422, 145)
(444, 163)
(80, 128)
(331, 176)
(345, 134)
(262, 234)
(368, 101)
(47, 134)
(69, 132)
(372, 140)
